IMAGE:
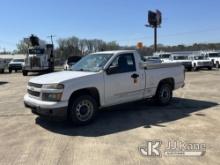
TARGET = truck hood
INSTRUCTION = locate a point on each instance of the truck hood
(60, 77)
(21, 63)
(203, 60)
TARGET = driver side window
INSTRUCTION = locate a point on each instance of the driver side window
(122, 64)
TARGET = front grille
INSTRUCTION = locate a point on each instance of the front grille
(15, 65)
(206, 63)
(33, 93)
(35, 62)
(35, 85)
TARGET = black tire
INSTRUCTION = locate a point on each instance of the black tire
(217, 65)
(82, 110)
(10, 70)
(189, 69)
(2, 70)
(25, 73)
(195, 68)
(164, 94)
(16, 70)
(209, 68)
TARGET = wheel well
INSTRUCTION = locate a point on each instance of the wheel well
(169, 81)
(86, 91)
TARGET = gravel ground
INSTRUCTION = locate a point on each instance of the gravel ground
(118, 132)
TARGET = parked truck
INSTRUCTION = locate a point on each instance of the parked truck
(214, 56)
(200, 61)
(101, 80)
(39, 57)
(183, 59)
(3, 65)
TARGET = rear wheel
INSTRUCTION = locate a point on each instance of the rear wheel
(82, 110)
(164, 94)
(25, 73)
(217, 64)
(2, 70)
(189, 69)
(195, 68)
(10, 70)
(210, 68)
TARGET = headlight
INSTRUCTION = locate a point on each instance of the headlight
(52, 96)
(53, 86)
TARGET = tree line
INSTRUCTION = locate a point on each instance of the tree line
(73, 46)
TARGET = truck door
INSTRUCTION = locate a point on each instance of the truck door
(124, 81)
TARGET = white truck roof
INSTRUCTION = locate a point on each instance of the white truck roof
(115, 52)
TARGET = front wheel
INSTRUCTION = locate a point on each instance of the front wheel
(82, 110)
(25, 73)
(164, 94)
(209, 68)
(217, 65)
(195, 68)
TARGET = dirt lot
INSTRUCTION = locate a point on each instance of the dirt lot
(114, 138)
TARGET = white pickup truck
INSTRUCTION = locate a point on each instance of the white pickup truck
(101, 80)
(3, 65)
(214, 57)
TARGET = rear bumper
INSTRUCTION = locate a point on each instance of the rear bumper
(53, 110)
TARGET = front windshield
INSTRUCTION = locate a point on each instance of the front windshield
(180, 57)
(18, 60)
(92, 62)
(200, 57)
(165, 56)
(36, 51)
(214, 54)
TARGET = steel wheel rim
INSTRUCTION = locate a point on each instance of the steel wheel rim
(165, 94)
(84, 110)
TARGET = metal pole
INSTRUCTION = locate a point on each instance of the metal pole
(155, 38)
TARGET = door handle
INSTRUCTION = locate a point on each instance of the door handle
(134, 76)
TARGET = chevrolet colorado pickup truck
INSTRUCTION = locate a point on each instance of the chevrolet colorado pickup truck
(100, 80)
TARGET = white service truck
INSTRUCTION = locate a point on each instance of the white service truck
(200, 61)
(164, 56)
(39, 58)
(101, 80)
(182, 59)
(214, 57)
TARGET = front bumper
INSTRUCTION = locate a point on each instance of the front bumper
(57, 110)
(15, 67)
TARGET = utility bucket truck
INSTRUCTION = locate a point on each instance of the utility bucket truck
(39, 57)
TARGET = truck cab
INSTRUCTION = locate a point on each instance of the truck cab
(164, 56)
(200, 61)
(182, 59)
(15, 64)
(214, 57)
(38, 59)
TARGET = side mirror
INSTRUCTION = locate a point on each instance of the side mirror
(111, 70)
